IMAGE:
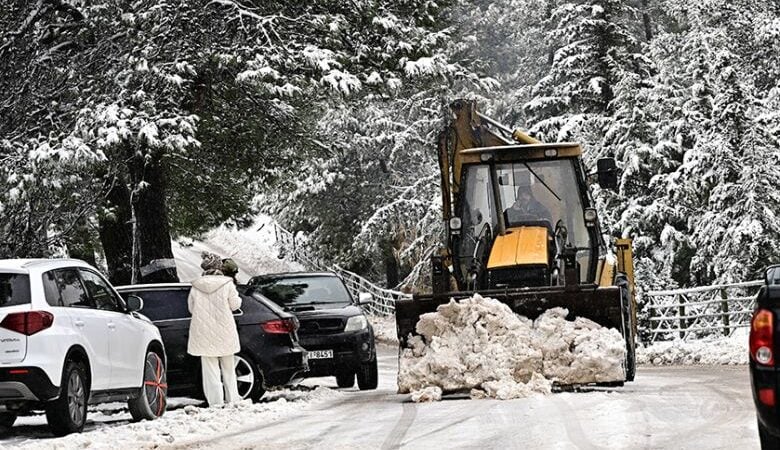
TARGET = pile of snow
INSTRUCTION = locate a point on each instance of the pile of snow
(729, 350)
(479, 345)
(253, 249)
(110, 429)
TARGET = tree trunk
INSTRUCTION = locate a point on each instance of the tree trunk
(116, 234)
(155, 263)
(646, 20)
(83, 244)
(391, 265)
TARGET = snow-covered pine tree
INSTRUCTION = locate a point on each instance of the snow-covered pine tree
(595, 49)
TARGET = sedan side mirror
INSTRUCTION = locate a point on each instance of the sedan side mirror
(134, 303)
(365, 298)
(607, 173)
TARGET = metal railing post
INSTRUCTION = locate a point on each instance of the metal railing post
(724, 308)
(681, 311)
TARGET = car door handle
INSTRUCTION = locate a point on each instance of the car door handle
(78, 323)
(111, 326)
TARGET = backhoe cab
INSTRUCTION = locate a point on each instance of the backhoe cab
(522, 228)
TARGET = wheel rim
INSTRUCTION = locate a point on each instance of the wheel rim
(155, 384)
(245, 376)
(76, 398)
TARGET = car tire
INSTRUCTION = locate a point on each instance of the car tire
(368, 375)
(345, 379)
(68, 413)
(249, 378)
(768, 440)
(151, 400)
(7, 420)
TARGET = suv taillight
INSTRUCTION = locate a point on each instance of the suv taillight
(761, 334)
(280, 326)
(28, 323)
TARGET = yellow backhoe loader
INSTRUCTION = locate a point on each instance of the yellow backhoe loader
(521, 227)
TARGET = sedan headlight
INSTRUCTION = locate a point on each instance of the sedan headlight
(356, 323)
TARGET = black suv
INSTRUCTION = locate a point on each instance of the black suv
(333, 330)
(270, 353)
(764, 367)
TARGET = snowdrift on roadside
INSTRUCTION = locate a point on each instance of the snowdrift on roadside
(384, 329)
(179, 427)
(479, 345)
(729, 350)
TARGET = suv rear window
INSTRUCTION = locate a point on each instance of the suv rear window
(14, 289)
(163, 304)
(303, 290)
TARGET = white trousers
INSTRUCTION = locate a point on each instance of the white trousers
(219, 390)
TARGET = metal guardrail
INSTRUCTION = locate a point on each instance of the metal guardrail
(699, 312)
(382, 300)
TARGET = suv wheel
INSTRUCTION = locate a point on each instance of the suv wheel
(368, 375)
(345, 379)
(68, 413)
(249, 378)
(7, 420)
(152, 398)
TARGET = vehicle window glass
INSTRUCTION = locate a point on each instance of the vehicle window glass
(71, 290)
(101, 294)
(164, 304)
(304, 290)
(50, 289)
(14, 289)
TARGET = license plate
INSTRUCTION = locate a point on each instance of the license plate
(320, 354)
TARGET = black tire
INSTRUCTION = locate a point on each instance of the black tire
(249, 378)
(368, 375)
(68, 413)
(152, 398)
(768, 440)
(7, 420)
(345, 379)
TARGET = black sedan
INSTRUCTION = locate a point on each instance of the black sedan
(335, 332)
(764, 370)
(270, 353)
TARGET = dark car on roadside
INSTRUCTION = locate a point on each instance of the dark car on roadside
(270, 352)
(764, 367)
(334, 331)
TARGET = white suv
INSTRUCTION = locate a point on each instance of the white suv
(67, 339)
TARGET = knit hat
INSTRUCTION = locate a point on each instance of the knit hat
(229, 267)
(210, 261)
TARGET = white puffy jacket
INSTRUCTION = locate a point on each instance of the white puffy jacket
(212, 300)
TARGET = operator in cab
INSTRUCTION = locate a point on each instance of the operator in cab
(526, 208)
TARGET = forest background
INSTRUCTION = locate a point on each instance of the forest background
(124, 124)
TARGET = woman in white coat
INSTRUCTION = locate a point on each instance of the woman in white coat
(213, 333)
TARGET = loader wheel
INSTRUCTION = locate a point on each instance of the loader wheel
(625, 298)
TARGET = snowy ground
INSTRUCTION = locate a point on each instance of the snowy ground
(109, 425)
(665, 408)
(384, 329)
(723, 350)
(252, 249)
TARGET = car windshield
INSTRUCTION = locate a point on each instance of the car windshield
(298, 291)
(14, 289)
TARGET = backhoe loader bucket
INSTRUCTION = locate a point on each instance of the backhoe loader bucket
(608, 306)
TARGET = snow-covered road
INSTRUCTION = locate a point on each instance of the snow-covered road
(666, 407)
